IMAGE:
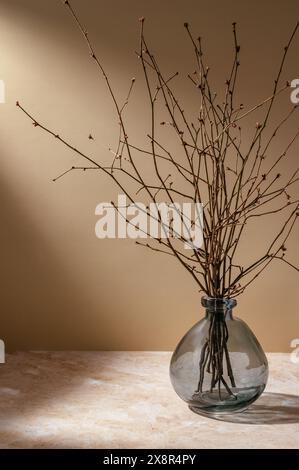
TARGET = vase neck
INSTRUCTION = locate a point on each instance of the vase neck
(219, 307)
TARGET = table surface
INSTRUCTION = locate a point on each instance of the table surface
(125, 400)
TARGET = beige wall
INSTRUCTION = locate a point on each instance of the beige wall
(61, 288)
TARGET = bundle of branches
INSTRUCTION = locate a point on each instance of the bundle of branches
(235, 182)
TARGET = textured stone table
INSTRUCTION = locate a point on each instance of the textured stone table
(125, 400)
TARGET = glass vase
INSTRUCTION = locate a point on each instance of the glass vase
(219, 367)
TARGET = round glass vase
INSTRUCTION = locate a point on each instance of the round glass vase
(219, 367)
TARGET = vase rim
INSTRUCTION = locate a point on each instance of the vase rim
(218, 302)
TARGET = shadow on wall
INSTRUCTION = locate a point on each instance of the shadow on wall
(43, 304)
(38, 296)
